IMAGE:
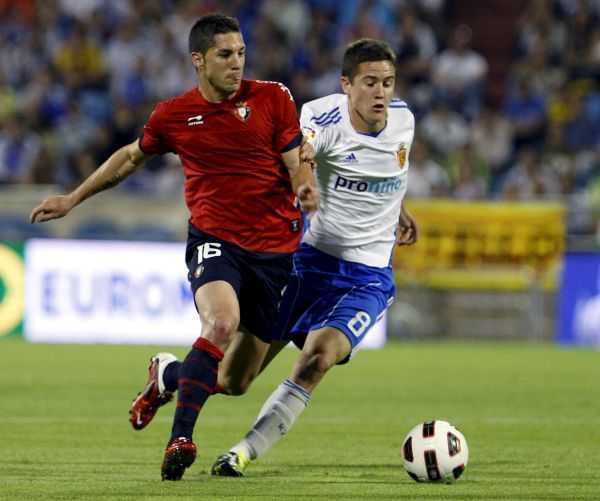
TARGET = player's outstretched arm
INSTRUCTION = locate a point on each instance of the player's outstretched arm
(408, 232)
(119, 165)
(303, 180)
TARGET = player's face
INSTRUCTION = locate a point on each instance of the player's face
(222, 65)
(369, 95)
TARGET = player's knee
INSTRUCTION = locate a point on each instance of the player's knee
(314, 364)
(220, 328)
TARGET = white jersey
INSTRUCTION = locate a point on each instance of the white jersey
(362, 180)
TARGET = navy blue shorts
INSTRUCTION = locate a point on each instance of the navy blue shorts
(258, 278)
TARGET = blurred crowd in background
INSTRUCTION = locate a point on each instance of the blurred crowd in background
(78, 79)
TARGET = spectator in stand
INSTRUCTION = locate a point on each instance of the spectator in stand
(43, 170)
(539, 25)
(75, 129)
(19, 150)
(492, 140)
(292, 18)
(466, 154)
(594, 54)
(526, 112)
(581, 31)
(63, 54)
(459, 72)
(580, 130)
(428, 179)
(8, 98)
(469, 186)
(444, 129)
(416, 48)
(123, 50)
(528, 178)
(545, 78)
(46, 99)
(80, 61)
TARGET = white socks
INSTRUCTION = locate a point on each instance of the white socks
(276, 417)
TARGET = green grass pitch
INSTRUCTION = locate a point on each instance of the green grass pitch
(530, 413)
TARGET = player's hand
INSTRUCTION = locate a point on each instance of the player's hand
(408, 233)
(307, 152)
(309, 198)
(51, 208)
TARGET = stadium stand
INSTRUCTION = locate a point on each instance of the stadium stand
(91, 86)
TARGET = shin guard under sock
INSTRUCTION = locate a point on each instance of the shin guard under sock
(196, 382)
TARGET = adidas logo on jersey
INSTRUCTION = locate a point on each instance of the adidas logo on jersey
(351, 159)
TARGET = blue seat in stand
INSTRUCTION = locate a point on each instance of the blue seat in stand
(14, 228)
(98, 229)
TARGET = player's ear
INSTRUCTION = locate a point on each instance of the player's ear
(345, 82)
(197, 60)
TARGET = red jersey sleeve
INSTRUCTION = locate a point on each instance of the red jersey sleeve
(287, 124)
(154, 140)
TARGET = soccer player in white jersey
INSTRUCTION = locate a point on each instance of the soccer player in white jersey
(342, 281)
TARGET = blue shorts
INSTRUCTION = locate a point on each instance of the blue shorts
(326, 291)
(258, 278)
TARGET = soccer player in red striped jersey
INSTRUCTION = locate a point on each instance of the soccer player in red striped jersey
(238, 141)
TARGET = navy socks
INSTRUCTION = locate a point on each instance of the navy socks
(197, 377)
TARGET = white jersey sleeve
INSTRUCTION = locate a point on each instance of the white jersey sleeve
(314, 121)
(362, 179)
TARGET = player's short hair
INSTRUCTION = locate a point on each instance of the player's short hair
(365, 50)
(202, 34)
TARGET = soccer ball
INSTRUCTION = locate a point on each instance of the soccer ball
(435, 451)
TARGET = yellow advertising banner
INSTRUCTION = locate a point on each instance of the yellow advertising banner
(12, 289)
(483, 245)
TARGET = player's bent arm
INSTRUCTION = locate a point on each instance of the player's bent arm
(121, 164)
(302, 179)
(408, 231)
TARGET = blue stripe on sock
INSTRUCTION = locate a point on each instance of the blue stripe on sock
(299, 389)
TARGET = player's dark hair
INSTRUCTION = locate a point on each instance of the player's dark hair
(365, 50)
(202, 34)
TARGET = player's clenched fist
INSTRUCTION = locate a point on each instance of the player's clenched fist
(51, 208)
(309, 197)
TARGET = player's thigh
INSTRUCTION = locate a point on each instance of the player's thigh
(215, 276)
(219, 310)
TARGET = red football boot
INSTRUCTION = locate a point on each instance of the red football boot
(154, 395)
(179, 455)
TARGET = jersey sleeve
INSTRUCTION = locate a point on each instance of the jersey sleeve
(287, 128)
(310, 130)
(153, 140)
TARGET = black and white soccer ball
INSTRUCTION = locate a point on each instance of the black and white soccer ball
(435, 451)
